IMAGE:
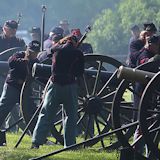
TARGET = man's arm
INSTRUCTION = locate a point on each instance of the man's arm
(16, 60)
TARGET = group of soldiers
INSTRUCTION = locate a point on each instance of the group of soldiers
(67, 65)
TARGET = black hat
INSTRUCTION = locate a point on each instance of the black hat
(150, 27)
(35, 30)
(56, 38)
(153, 39)
(11, 24)
(135, 28)
(57, 30)
(34, 46)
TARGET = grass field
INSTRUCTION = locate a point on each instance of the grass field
(23, 152)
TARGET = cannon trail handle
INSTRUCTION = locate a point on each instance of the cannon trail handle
(134, 75)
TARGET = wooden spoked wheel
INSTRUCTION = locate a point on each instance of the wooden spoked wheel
(96, 90)
(125, 108)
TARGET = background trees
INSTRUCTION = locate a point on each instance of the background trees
(111, 29)
(110, 20)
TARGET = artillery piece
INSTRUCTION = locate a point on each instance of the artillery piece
(147, 109)
(125, 126)
(96, 90)
(99, 89)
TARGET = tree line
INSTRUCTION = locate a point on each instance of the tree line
(110, 20)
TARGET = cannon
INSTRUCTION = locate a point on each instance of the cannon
(102, 101)
(119, 108)
(96, 90)
(147, 109)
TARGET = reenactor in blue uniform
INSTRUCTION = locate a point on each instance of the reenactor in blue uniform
(151, 48)
(65, 26)
(136, 47)
(55, 35)
(35, 33)
(67, 65)
(9, 40)
(8, 37)
(20, 65)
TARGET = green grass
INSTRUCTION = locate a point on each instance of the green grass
(23, 152)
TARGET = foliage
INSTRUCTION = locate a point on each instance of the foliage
(112, 28)
(106, 33)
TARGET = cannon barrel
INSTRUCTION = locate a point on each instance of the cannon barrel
(43, 71)
(134, 75)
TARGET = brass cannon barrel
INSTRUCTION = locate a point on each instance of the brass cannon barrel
(134, 75)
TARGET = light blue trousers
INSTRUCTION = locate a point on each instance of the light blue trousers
(56, 95)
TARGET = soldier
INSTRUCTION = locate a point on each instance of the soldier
(9, 40)
(8, 37)
(67, 65)
(65, 26)
(151, 49)
(135, 33)
(84, 47)
(137, 45)
(35, 33)
(55, 35)
(20, 65)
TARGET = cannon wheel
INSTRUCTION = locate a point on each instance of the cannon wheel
(95, 98)
(149, 116)
(122, 109)
(7, 53)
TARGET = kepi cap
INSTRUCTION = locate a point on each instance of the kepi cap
(35, 30)
(57, 30)
(11, 24)
(153, 39)
(34, 46)
(150, 27)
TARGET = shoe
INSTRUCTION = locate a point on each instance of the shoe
(49, 143)
(34, 146)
